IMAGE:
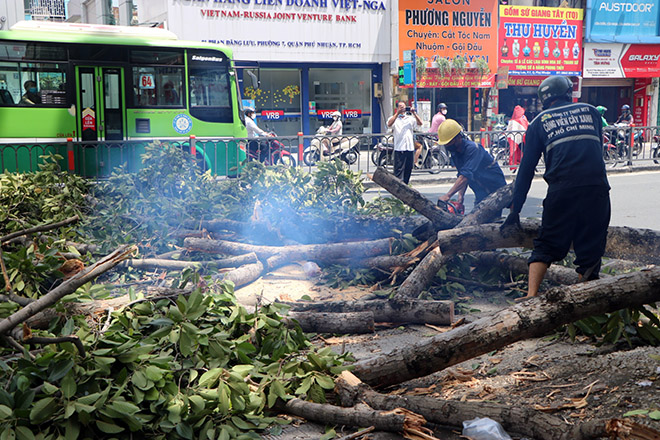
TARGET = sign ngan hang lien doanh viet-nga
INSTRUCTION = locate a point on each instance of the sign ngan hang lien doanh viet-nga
(540, 41)
(441, 30)
(288, 30)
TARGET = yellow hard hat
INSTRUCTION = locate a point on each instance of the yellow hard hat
(448, 131)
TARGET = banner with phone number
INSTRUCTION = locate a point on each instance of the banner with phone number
(540, 41)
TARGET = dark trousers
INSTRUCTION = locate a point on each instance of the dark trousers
(403, 164)
(579, 216)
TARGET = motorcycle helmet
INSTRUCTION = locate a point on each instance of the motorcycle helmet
(448, 130)
(555, 87)
(601, 110)
(441, 106)
(625, 108)
(248, 111)
(335, 114)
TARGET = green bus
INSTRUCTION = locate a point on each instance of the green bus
(98, 94)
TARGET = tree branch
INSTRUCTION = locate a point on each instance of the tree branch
(40, 228)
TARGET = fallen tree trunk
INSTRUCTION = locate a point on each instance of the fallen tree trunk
(532, 318)
(518, 265)
(440, 218)
(342, 323)
(490, 208)
(396, 310)
(68, 286)
(244, 274)
(278, 255)
(522, 420)
(159, 263)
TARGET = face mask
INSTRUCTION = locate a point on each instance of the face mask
(32, 90)
(443, 111)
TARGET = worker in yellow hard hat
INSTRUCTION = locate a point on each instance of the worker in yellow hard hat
(476, 167)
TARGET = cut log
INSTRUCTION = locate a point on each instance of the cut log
(279, 255)
(440, 218)
(340, 323)
(534, 317)
(244, 274)
(396, 310)
(522, 420)
(159, 263)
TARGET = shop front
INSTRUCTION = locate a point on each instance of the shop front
(298, 61)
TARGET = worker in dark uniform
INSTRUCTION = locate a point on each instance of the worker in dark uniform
(576, 209)
(476, 167)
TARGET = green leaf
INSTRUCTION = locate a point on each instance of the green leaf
(655, 415)
(329, 434)
(42, 410)
(636, 412)
(25, 433)
(108, 428)
(154, 373)
(8, 434)
(325, 382)
(5, 412)
(68, 385)
(72, 429)
(209, 378)
(59, 370)
(184, 430)
(124, 407)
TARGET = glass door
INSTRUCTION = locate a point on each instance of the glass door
(100, 113)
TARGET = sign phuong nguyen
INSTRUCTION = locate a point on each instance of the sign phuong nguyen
(447, 29)
(288, 30)
(540, 41)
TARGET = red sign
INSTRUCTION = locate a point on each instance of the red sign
(641, 60)
(325, 114)
(641, 101)
(352, 114)
(272, 114)
(470, 78)
(88, 120)
(540, 41)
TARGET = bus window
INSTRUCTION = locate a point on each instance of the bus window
(40, 84)
(210, 87)
(157, 86)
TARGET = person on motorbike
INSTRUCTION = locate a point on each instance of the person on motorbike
(476, 167)
(602, 111)
(625, 117)
(335, 130)
(253, 132)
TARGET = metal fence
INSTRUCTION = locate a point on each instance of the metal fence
(622, 146)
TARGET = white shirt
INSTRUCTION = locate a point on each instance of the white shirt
(336, 128)
(253, 130)
(402, 130)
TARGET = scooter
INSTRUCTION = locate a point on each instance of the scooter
(347, 148)
(623, 138)
(271, 152)
(433, 157)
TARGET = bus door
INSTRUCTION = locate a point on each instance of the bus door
(100, 114)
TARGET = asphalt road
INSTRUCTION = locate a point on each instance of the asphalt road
(635, 201)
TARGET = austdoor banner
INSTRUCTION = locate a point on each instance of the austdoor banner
(445, 29)
(540, 41)
(623, 21)
(288, 30)
(602, 60)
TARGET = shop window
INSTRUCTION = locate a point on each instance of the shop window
(33, 84)
(276, 99)
(157, 86)
(341, 89)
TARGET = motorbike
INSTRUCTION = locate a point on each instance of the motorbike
(433, 158)
(611, 153)
(655, 149)
(623, 138)
(346, 148)
(271, 152)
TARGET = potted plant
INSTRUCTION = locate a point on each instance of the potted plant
(482, 66)
(421, 67)
(459, 63)
(443, 64)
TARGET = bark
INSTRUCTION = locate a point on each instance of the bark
(641, 245)
(518, 265)
(522, 420)
(159, 263)
(279, 255)
(360, 415)
(396, 310)
(69, 286)
(532, 318)
(245, 274)
(440, 218)
(341, 323)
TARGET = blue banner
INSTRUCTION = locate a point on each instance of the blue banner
(622, 20)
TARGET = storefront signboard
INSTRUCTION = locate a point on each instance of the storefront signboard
(540, 41)
(288, 30)
(603, 60)
(444, 30)
(352, 113)
(325, 114)
(272, 114)
(622, 21)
